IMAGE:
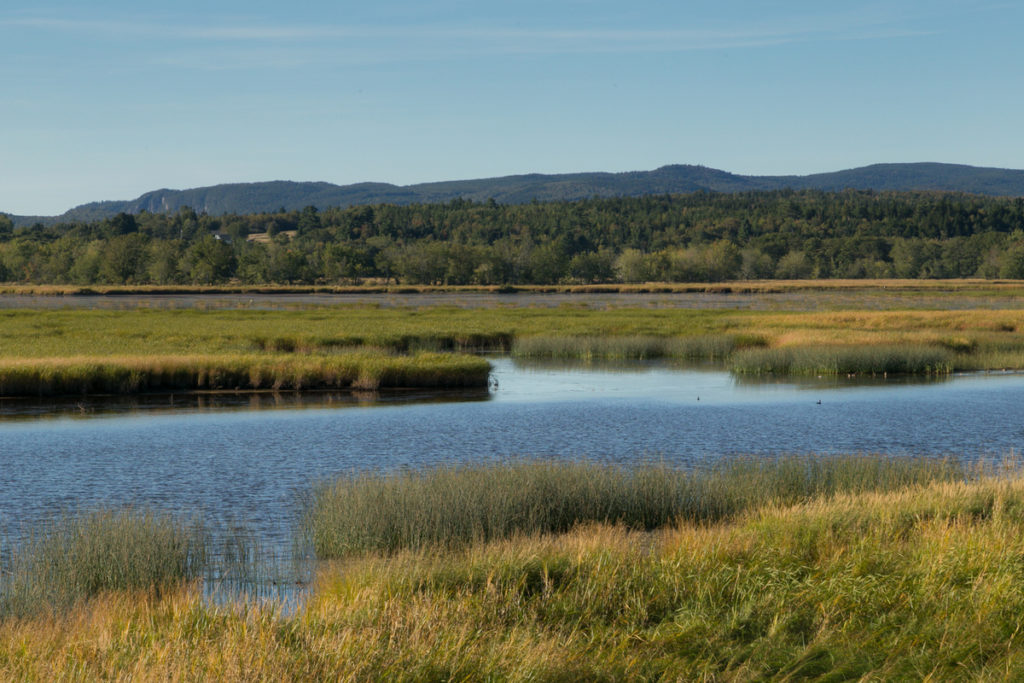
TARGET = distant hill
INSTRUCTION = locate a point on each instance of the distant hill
(243, 198)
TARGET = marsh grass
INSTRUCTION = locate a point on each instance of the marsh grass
(364, 369)
(919, 582)
(922, 581)
(845, 360)
(561, 331)
(469, 342)
(69, 332)
(713, 347)
(74, 557)
(456, 506)
(73, 352)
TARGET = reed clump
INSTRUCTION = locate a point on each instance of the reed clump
(456, 506)
(466, 342)
(75, 557)
(712, 347)
(364, 369)
(845, 360)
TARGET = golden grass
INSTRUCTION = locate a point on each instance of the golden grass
(227, 372)
(86, 351)
(458, 505)
(74, 557)
(921, 583)
(975, 339)
(31, 333)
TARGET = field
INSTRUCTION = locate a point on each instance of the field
(75, 351)
(85, 352)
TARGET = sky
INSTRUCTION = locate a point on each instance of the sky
(108, 99)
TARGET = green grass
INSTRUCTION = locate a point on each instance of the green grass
(74, 557)
(917, 583)
(847, 569)
(455, 506)
(840, 360)
(68, 332)
(76, 351)
(364, 369)
(713, 347)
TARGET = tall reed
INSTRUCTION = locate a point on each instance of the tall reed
(844, 360)
(919, 583)
(715, 347)
(79, 556)
(454, 506)
(364, 369)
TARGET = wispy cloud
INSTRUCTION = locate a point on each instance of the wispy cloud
(684, 38)
(86, 26)
(244, 44)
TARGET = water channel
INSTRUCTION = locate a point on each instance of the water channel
(249, 459)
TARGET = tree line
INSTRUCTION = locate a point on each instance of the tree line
(675, 238)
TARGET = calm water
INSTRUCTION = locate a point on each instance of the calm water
(249, 459)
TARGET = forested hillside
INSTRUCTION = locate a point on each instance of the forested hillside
(246, 198)
(692, 237)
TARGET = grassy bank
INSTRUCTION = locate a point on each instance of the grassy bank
(567, 329)
(918, 583)
(75, 352)
(855, 360)
(251, 372)
(819, 343)
(457, 506)
(44, 352)
(68, 332)
(887, 579)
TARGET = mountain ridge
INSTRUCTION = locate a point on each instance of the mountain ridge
(269, 196)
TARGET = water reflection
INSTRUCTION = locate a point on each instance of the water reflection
(618, 375)
(827, 382)
(511, 380)
(606, 365)
(86, 407)
(642, 367)
(258, 575)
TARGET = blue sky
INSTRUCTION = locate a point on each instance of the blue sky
(109, 99)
